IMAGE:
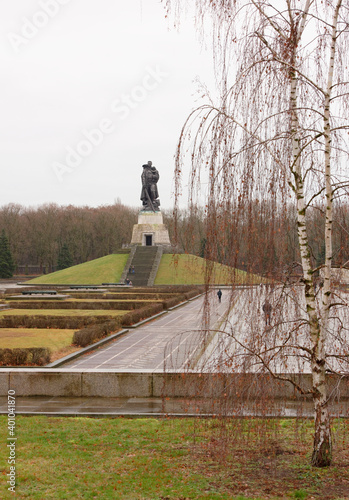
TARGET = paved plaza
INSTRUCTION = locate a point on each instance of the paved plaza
(181, 339)
(171, 341)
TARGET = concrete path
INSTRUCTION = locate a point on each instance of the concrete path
(172, 341)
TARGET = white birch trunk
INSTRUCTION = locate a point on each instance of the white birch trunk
(322, 450)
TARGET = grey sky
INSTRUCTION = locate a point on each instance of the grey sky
(70, 67)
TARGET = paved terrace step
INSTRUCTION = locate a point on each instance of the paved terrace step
(143, 262)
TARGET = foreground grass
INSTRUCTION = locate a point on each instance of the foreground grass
(107, 269)
(190, 269)
(65, 458)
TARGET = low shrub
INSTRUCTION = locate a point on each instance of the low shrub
(69, 322)
(177, 288)
(174, 301)
(139, 314)
(91, 334)
(140, 296)
(141, 293)
(192, 293)
(26, 356)
(101, 305)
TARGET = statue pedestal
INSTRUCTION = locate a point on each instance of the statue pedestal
(150, 230)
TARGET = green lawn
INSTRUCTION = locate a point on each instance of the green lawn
(107, 269)
(54, 339)
(188, 269)
(172, 459)
(62, 312)
(13, 302)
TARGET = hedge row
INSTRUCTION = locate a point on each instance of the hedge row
(102, 305)
(146, 291)
(179, 288)
(141, 294)
(50, 321)
(174, 301)
(92, 334)
(10, 291)
(27, 356)
(98, 296)
(193, 293)
(139, 314)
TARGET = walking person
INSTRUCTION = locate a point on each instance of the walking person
(219, 295)
(267, 311)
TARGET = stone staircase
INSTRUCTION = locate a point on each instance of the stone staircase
(146, 260)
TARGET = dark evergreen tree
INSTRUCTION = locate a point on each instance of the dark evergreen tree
(64, 258)
(7, 266)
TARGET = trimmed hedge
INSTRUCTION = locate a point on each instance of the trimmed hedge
(27, 356)
(92, 334)
(50, 321)
(144, 292)
(139, 314)
(102, 305)
(174, 301)
(193, 293)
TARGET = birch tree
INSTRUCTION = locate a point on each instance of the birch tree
(278, 130)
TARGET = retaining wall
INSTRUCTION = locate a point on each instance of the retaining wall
(143, 384)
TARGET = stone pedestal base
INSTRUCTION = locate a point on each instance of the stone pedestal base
(150, 230)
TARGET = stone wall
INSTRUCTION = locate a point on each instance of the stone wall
(110, 383)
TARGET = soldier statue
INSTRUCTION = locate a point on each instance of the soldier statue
(149, 194)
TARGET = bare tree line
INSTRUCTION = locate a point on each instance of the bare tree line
(36, 235)
(257, 237)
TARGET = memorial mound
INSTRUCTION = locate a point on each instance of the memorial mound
(178, 269)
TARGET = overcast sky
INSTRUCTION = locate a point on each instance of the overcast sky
(89, 92)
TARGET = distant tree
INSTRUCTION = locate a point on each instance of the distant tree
(11, 216)
(64, 258)
(7, 266)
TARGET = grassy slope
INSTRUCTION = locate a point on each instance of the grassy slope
(174, 270)
(107, 269)
(189, 269)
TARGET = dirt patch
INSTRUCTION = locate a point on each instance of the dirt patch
(272, 469)
(63, 352)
